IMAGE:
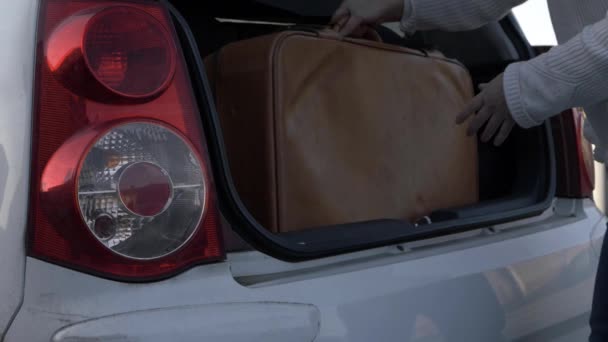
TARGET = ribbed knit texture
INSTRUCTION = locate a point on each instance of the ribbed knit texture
(573, 74)
(453, 15)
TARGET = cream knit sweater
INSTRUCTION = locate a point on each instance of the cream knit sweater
(573, 74)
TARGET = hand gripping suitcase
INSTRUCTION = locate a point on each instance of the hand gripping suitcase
(322, 130)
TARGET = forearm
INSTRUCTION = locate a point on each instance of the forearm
(574, 74)
(453, 15)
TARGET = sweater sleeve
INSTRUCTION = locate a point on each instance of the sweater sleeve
(452, 15)
(569, 75)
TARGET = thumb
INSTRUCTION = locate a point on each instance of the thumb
(599, 155)
(360, 31)
(351, 25)
(339, 24)
(589, 133)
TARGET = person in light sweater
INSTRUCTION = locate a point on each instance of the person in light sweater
(572, 74)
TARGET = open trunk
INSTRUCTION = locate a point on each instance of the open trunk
(516, 180)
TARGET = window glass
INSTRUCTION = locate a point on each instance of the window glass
(534, 19)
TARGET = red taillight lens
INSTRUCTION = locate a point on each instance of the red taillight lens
(112, 53)
(120, 181)
(574, 157)
(129, 51)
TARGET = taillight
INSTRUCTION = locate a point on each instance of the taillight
(121, 184)
(586, 161)
(574, 156)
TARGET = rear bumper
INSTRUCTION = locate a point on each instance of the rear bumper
(529, 277)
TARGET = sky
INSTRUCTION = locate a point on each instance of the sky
(533, 17)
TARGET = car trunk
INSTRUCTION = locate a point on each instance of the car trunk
(516, 180)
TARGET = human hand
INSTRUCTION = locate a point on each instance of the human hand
(489, 106)
(353, 17)
(600, 154)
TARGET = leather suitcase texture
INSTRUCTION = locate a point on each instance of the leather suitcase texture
(321, 130)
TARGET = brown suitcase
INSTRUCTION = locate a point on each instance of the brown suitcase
(321, 130)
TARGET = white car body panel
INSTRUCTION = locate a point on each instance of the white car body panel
(17, 46)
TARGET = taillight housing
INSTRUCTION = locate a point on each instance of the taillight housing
(121, 184)
(574, 156)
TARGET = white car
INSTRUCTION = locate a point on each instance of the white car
(119, 222)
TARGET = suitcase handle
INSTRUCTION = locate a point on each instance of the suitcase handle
(327, 32)
(370, 34)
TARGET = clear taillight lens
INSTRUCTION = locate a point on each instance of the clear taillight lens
(141, 190)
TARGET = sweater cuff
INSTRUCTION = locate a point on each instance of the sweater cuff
(514, 97)
(408, 20)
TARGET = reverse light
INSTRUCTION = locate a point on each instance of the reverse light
(150, 202)
(120, 182)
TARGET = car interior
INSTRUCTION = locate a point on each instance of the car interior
(516, 180)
